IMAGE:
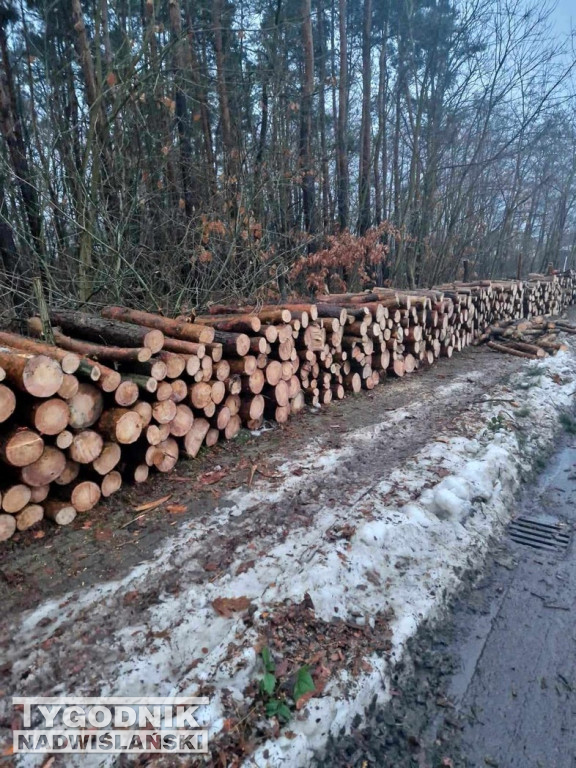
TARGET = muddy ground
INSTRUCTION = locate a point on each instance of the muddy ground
(105, 543)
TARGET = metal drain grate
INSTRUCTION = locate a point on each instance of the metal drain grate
(538, 534)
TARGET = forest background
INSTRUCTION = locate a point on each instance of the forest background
(171, 153)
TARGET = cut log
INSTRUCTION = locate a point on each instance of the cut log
(510, 351)
(254, 383)
(298, 402)
(247, 323)
(179, 390)
(288, 369)
(7, 402)
(153, 434)
(221, 370)
(7, 527)
(69, 473)
(39, 375)
(280, 394)
(50, 417)
(29, 516)
(102, 329)
(69, 386)
(209, 410)
(64, 439)
(110, 483)
(409, 363)
(532, 349)
(212, 437)
(207, 366)
(39, 493)
(193, 364)
(16, 497)
(251, 408)
(144, 384)
(270, 333)
(274, 372)
(45, 469)
(140, 473)
(145, 410)
(59, 512)
(127, 393)
(353, 382)
(121, 425)
(164, 412)
(218, 391)
(86, 447)
(233, 427)
(182, 422)
(85, 407)
(178, 329)
(234, 343)
(232, 402)
(195, 437)
(245, 365)
(96, 351)
(164, 391)
(183, 347)
(215, 351)
(221, 418)
(282, 413)
(166, 455)
(83, 495)
(397, 367)
(69, 362)
(293, 386)
(107, 379)
(20, 447)
(175, 364)
(200, 394)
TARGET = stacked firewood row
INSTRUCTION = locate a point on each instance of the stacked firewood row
(89, 401)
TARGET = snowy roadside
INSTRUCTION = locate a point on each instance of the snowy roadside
(383, 560)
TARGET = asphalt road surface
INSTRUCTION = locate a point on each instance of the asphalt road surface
(494, 684)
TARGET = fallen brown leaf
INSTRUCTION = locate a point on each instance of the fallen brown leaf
(305, 698)
(152, 504)
(246, 566)
(176, 509)
(226, 606)
(130, 597)
(209, 478)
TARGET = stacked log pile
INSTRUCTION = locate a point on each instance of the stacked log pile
(126, 392)
(532, 338)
